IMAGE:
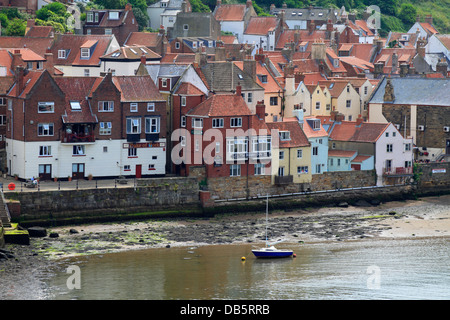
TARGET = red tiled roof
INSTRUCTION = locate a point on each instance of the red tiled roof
(27, 54)
(341, 153)
(40, 32)
(361, 158)
(297, 136)
(187, 88)
(137, 88)
(428, 28)
(230, 12)
(261, 25)
(73, 43)
(221, 105)
(76, 89)
(29, 80)
(148, 39)
(310, 132)
(349, 131)
(38, 45)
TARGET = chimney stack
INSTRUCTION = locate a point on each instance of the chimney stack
(17, 59)
(143, 59)
(250, 67)
(18, 77)
(261, 110)
(249, 3)
(48, 64)
(359, 120)
(238, 90)
(128, 7)
(441, 67)
(429, 19)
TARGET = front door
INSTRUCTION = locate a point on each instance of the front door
(45, 171)
(77, 170)
(138, 170)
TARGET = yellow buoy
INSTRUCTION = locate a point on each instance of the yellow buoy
(243, 258)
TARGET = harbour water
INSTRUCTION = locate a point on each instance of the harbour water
(414, 269)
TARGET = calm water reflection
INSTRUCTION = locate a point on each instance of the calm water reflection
(408, 269)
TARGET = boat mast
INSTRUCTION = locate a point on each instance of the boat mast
(267, 218)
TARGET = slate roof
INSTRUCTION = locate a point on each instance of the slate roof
(416, 91)
(225, 76)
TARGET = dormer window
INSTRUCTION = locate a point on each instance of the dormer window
(113, 15)
(85, 53)
(62, 54)
(285, 135)
(90, 16)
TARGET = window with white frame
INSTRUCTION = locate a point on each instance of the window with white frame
(237, 147)
(133, 125)
(183, 101)
(302, 169)
(407, 146)
(197, 122)
(133, 107)
(106, 106)
(87, 72)
(249, 97)
(89, 16)
(299, 153)
(78, 150)
(45, 151)
(281, 155)
(113, 15)
(85, 53)
(183, 121)
(260, 169)
(108, 31)
(62, 54)
(318, 105)
(236, 122)
(2, 101)
(150, 107)
(235, 170)
(217, 123)
(45, 129)
(285, 135)
(105, 128)
(46, 107)
(389, 147)
(152, 125)
(2, 120)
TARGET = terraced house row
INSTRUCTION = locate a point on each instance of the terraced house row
(298, 94)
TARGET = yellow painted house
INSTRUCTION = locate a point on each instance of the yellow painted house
(320, 100)
(292, 162)
(344, 98)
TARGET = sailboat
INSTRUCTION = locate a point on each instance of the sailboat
(269, 251)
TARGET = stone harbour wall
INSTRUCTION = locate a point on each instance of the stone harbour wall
(253, 186)
(149, 195)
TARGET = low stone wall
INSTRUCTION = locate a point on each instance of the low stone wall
(252, 186)
(433, 177)
(149, 195)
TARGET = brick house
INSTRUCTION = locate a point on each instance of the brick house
(74, 127)
(120, 23)
(217, 136)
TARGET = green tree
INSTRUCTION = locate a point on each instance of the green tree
(198, 6)
(16, 28)
(141, 18)
(407, 14)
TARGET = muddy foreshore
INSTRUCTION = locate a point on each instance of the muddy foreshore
(25, 266)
